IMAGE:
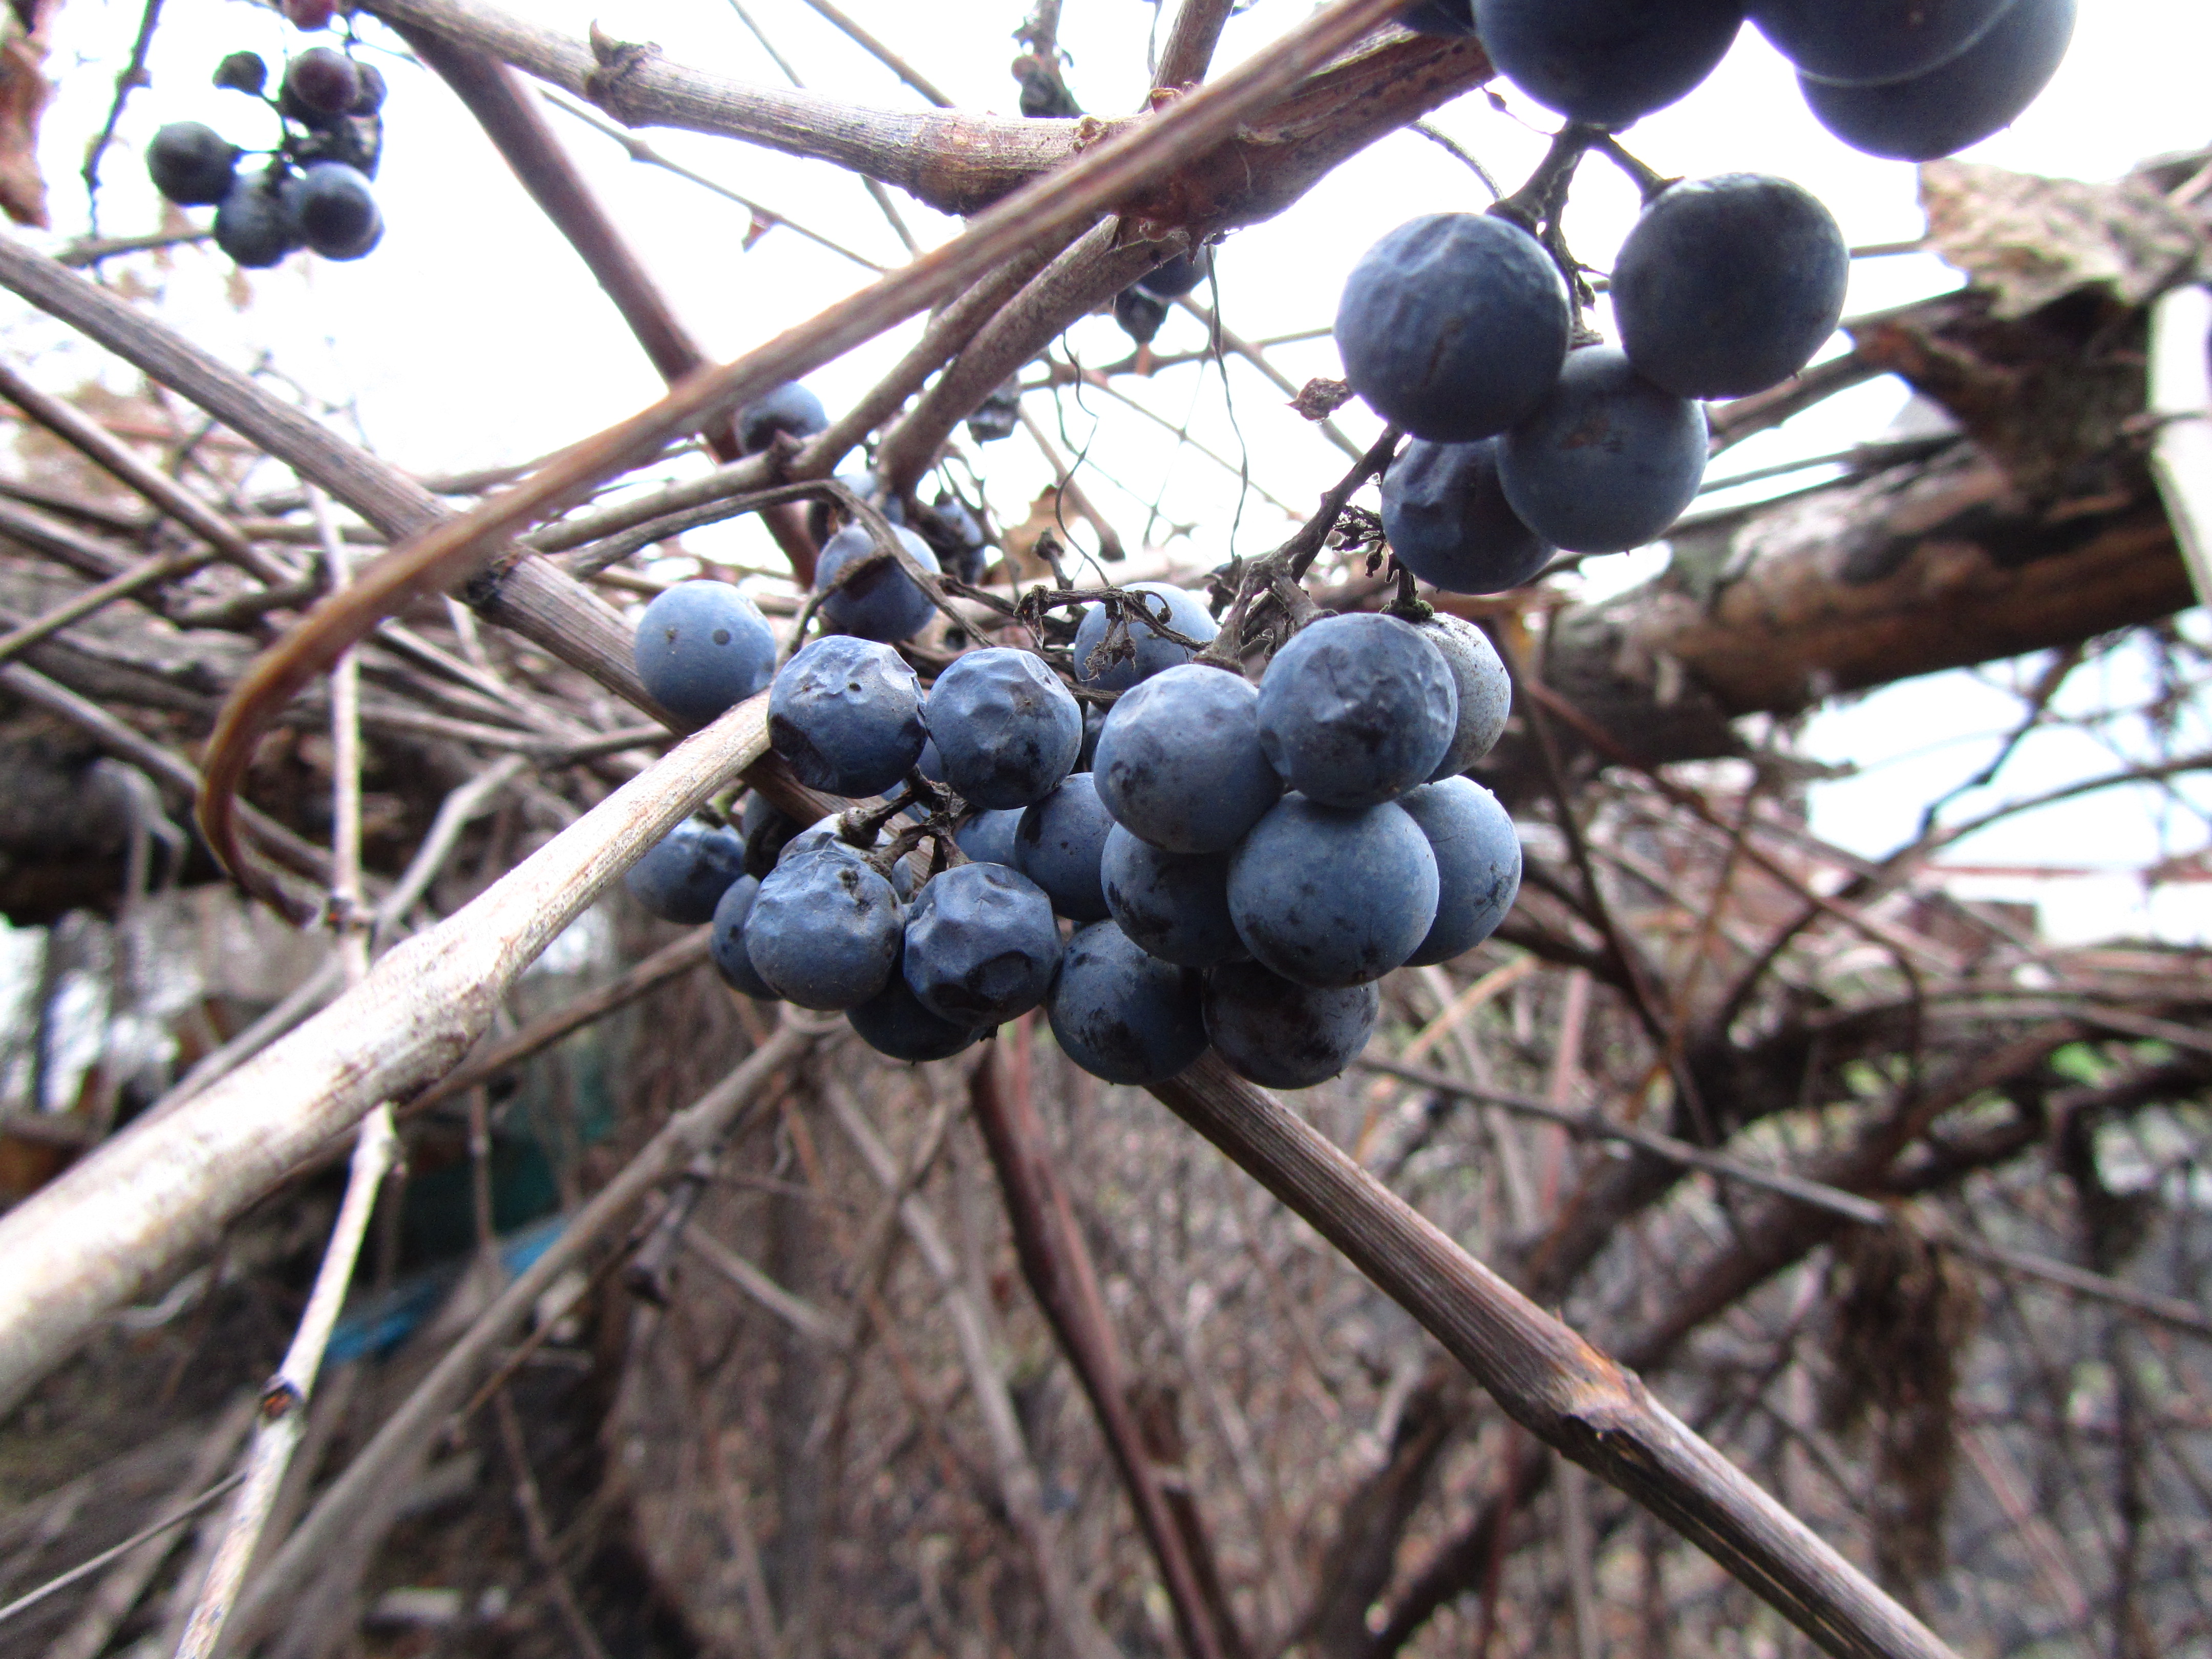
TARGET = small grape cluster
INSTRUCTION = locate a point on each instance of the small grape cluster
(1239, 865)
(1532, 436)
(313, 190)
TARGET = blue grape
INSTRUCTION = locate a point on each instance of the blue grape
(828, 835)
(254, 224)
(1981, 91)
(1006, 730)
(1451, 19)
(1332, 896)
(1606, 62)
(766, 830)
(1094, 724)
(1177, 276)
(845, 716)
(1180, 764)
(1176, 608)
(335, 210)
(971, 548)
(684, 876)
(1057, 844)
(982, 945)
(1478, 865)
(1866, 42)
(1356, 709)
(893, 1022)
(1139, 314)
(1485, 691)
(1609, 461)
(1453, 326)
(988, 837)
(702, 648)
(819, 514)
(1448, 521)
(726, 944)
(1122, 1015)
(1284, 1036)
(1174, 905)
(824, 929)
(1728, 286)
(193, 165)
(790, 409)
(884, 604)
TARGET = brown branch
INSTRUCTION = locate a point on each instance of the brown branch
(1191, 42)
(882, 53)
(1057, 1264)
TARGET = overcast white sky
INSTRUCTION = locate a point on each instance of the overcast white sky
(472, 335)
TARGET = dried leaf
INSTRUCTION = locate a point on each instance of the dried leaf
(2030, 241)
(23, 95)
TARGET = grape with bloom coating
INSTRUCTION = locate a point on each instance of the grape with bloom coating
(791, 410)
(191, 164)
(883, 604)
(1006, 730)
(1478, 865)
(893, 1022)
(1283, 1036)
(1153, 652)
(824, 929)
(1332, 895)
(845, 714)
(1609, 460)
(988, 837)
(1962, 101)
(1174, 905)
(1179, 760)
(726, 944)
(1866, 42)
(1448, 521)
(682, 877)
(1122, 1015)
(1485, 691)
(1356, 709)
(1606, 62)
(334, 210)
(982, 945)
(702, 648)
(1057, 846)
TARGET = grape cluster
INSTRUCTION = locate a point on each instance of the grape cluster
(313, 191)
(1530, 434)
(1236, 866)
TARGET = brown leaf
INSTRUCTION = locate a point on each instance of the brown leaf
(1318, 400)
(23, 94)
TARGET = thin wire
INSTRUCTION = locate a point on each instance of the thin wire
(1229, 406)
(83, 1569)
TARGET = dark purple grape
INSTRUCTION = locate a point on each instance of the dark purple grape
(1173, 607)
(988, 837)
(998, 415)
(1283, 1036)
(320, 84)
(1478, 865)
(242, 71)
(1006, 730)
(1981, 91)
(1728, 286)
(702, 648)
(254, 224)
(1174, 905)
(1866, 42)
(846, 715)
(1332, 896)
(791, 410)
(1451, 19)
(193, 165)
(1178, 275)
(1057, 846)
(725, 943)
(1356, 709)
(1485, 691)
(893, 1022)
(824, 929)
(1448, 521)
(982, 945)
(1139, 314)
(682, 877)
(1181, 763)
(370, 99)
(963, 548)
(884, 604)
(1453, 326)
(1122, 1015)
(1608, 462)
(1606, 62)
(336, 210)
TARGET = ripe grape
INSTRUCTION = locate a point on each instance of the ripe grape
(319, 85)
(1005, 730)
(1174, 905)
(1176, 276)
(884, 604)
(1478, 865)
(684, 874)
(1139, 314)
(1728, 286)
(1171, 606)
(242, 71)
(893, 1022)
(988, 837)
(846, 715)
(1451, 19)
(702, 648)
(1332, 896)
(1283, 1036)
(1608, 462)
(1447, 520)
(254, 225)
(370, 98)
(1866, 42)
(791, 408)
(334, 210)
(1485, 691)
(1058, 843)
(1453, 326)
(982, 945)
(824, 929)
(193, 165)
(828, 835)
(726, 944)
(1606, 62)
(1179, 760)
(1981, 91)
(970, 547)
(1124, 1016)
(998, 415)
(1356, 709)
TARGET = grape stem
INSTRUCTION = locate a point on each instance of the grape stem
(1648, 179)
(1537, 205)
